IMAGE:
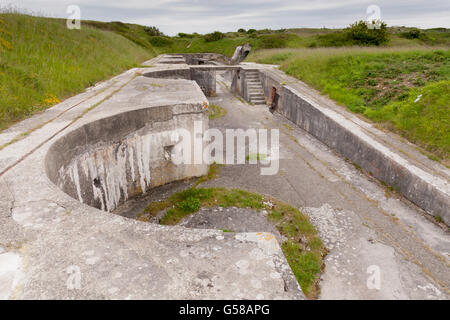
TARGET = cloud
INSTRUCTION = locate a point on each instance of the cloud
(173, 16)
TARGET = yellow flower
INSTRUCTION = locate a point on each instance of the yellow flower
(51, 100)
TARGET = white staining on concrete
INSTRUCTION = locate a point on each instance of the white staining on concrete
(113, 170)
(76, 179)
(11, 274)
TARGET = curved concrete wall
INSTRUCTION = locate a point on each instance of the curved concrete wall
(106, 162)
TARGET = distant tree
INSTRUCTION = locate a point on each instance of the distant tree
(153, 31)
(215, 36)
(249, 31)
(242, 30)
(185, 35)
(360, 33)
(159, 41)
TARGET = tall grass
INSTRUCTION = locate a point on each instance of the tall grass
(383, 84)
(46, 62)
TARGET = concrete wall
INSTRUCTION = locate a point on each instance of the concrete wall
(239, 83)
(181, 73)
(106, 162)
(208, 58)
(206, 79)
(343, 136)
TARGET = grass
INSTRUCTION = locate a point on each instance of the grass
(303, 248)
(406, 90)
(256, 156)
(46, 62)
(216, 111)
(212, 174)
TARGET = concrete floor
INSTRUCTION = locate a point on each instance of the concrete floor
(369, 232)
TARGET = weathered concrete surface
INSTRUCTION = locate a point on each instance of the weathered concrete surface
(381, 154)
(361, 224)
(54, 247)
(241, 53)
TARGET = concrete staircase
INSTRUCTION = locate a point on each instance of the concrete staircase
(254, 87)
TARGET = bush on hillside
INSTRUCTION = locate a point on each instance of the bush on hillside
(360, 34)
(185, 35)
(161, 41)
(270, 41)
(153, 31)
(411, 34)
(242, 30)
(215, 36)
(417, 34)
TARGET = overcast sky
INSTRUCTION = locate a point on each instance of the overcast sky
(173, 16)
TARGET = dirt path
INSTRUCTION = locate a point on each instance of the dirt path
(369, 231)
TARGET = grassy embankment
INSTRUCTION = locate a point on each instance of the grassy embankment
(406, 90)
(43, 62)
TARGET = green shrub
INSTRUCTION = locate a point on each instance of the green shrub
(411, 34)
(270, 41)
(360, 34)
(191, 204)
(215, 36)
(159, 41)
(242, 30)
(250, 31)
(185, 35)
(152, 31)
